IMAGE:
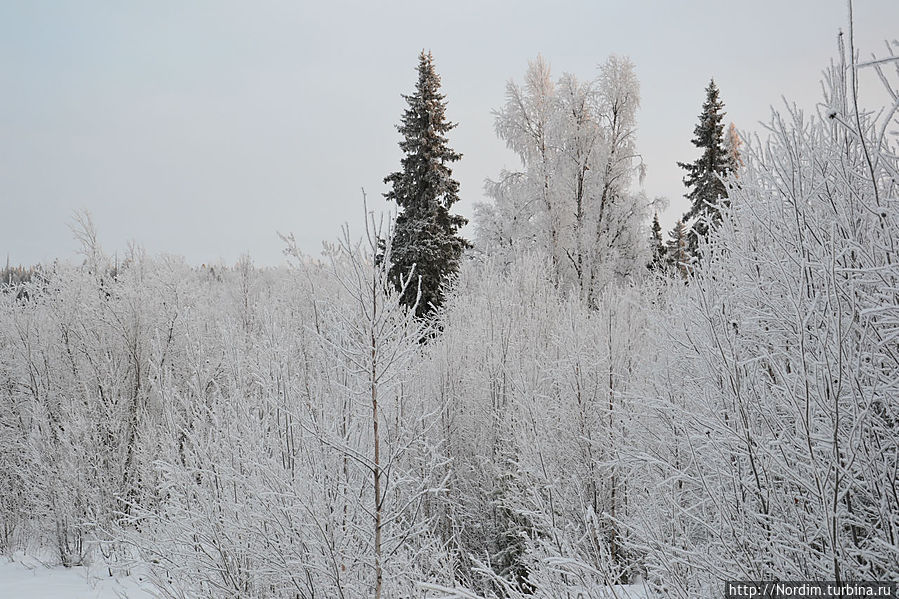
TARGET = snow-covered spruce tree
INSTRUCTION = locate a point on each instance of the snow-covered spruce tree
(704, 175)
(424, 190)
(657, 248)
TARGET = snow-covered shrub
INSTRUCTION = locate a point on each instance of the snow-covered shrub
(779, 379)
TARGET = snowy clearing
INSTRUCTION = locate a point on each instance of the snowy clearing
(25, 577)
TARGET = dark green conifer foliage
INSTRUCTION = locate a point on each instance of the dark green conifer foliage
(703, 178)
(426, 235)
(512, 529)
(657, 248)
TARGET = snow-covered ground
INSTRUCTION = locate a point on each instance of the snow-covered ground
(25, 577)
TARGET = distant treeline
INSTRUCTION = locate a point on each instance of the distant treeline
(12, 276)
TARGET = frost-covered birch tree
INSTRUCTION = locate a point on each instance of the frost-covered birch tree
(573, 199)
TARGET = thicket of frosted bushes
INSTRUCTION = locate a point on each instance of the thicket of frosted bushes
(217, 425)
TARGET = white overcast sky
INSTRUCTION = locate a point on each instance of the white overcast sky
(202, 128)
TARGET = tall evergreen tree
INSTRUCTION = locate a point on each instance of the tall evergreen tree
(657, 248)
(705, 173)
(426, 236)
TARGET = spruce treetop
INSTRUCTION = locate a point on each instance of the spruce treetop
(426, 241)
(704, 174)
(657, 247)
(425, 174)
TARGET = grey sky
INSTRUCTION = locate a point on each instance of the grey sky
(202, 128)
